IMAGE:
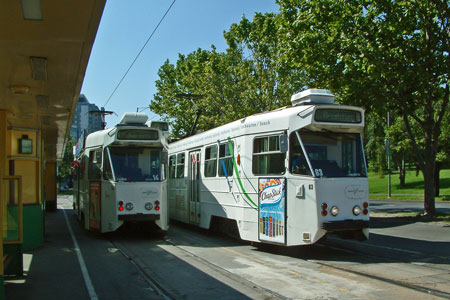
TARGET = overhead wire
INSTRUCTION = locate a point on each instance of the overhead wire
(137, 56)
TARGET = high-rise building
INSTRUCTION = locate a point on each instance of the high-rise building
(83, 120)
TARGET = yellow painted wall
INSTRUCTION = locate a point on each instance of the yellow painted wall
(13, 142)
(30, 180)
(25, 165)
(2, 189)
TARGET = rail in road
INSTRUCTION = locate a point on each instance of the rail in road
(321, 271)
(189, 263)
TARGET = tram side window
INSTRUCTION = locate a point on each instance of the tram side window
(267, 157)
(297, 160)
(180, 165)
(225, 160)
(95, 161)
(172, 166)
(211, 161)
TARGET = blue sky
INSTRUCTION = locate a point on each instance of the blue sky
(126, 25)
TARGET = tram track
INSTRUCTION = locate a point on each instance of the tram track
(188, 245)
(230, 275)
(165, 292)
(156, 286)
(399, 283)
(428, 291)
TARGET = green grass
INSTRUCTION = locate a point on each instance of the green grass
(413, 189)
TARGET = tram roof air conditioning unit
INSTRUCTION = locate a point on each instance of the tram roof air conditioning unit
(133, 118)
(312, 97)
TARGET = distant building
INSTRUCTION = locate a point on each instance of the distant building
(83, 120)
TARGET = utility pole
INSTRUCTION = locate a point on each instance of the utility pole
(388, 151)
(102, 112)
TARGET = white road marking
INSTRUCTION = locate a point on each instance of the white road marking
(84, 271)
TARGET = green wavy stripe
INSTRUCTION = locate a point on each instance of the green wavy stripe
(230, 147)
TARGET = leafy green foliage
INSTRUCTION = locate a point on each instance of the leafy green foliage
(65, 166)
(382, 55)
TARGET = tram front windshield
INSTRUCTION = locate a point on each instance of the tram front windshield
(334, 154)
(136, 163)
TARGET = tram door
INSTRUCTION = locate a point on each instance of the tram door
(94, 177)
(194, 186)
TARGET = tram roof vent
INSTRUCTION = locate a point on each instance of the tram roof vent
(133, 118)
(312, 97)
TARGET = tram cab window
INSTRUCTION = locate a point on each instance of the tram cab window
(107, 171)
(180, 165)
(297, 160)
(211, 161)
(267, 156)
(334, 154)
(94, 165)
(225, 159)
(136, 163)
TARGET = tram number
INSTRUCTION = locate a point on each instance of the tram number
(318, 172)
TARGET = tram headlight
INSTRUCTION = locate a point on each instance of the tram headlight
(129, 206)
(356, 210)
(334, 211)
(148, 206)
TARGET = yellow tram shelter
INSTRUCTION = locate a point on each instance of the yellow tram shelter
(44, 52)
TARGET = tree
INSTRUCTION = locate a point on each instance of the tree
(383, 55)
(248, 78)
(65, 166)
(374, 135)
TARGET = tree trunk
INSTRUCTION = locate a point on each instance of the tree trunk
(402, 173)
(428, 176)
(437, 169)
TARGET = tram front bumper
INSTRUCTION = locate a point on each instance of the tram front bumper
(139, 217)
(345, 225)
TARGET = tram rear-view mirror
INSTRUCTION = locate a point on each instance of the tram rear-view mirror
(283, 143)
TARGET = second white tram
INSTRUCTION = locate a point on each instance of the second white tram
(120, 175)
(287, 177)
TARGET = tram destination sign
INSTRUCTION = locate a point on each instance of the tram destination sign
(337, 115)
(137, 134)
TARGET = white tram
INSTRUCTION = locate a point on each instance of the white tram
(120, 175)
(288, 176)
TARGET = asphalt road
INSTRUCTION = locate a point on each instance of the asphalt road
(405, 206)
(403, 259)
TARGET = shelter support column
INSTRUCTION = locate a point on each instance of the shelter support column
(2, 195)
(50, 190)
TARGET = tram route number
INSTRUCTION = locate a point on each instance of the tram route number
(318, 172)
